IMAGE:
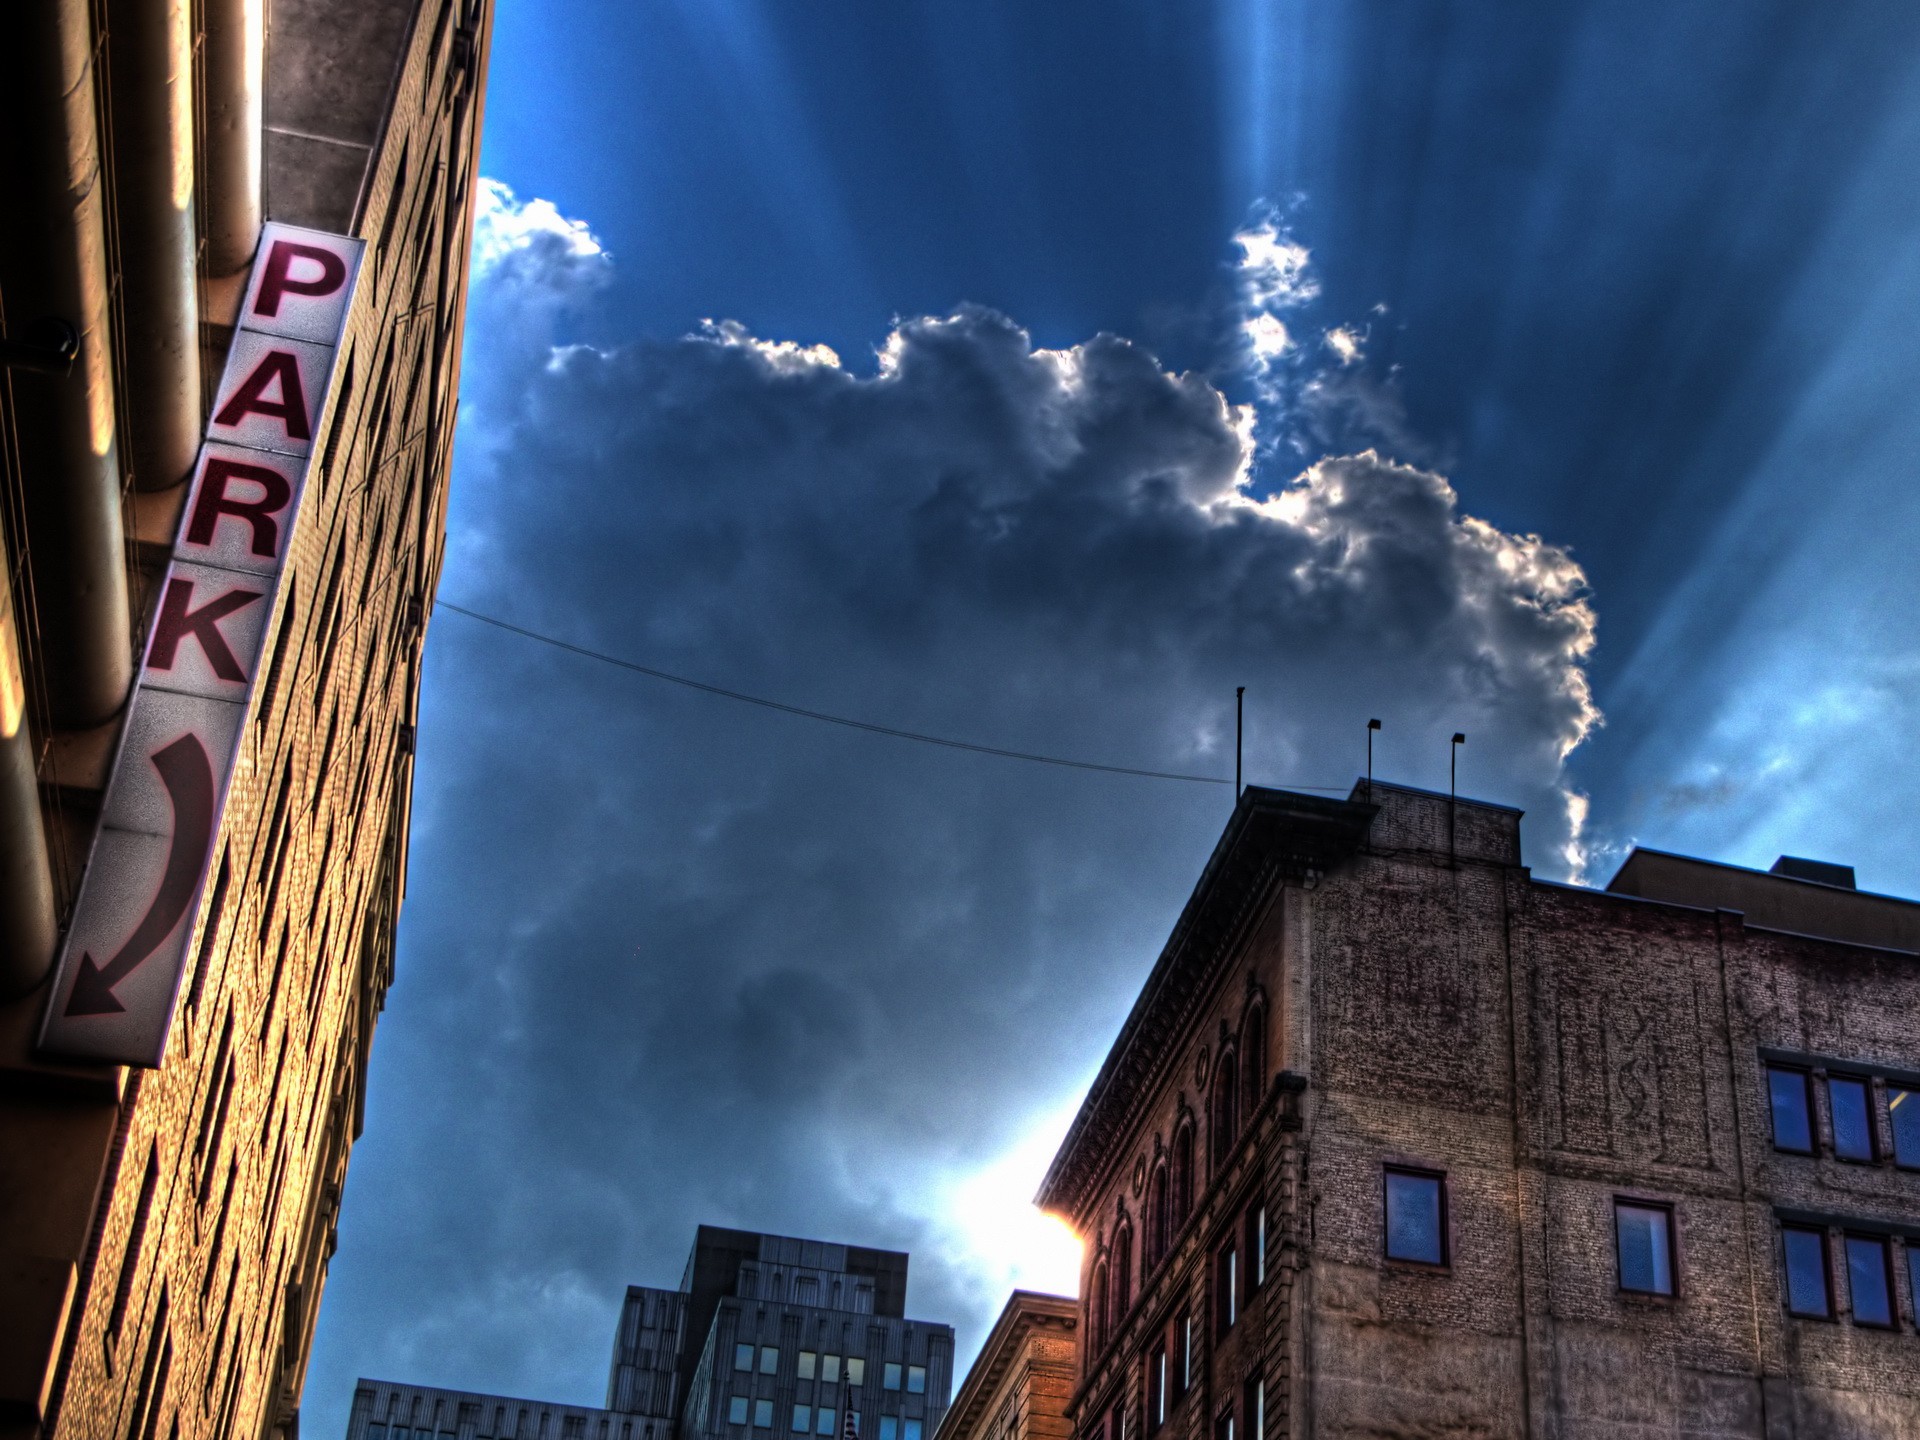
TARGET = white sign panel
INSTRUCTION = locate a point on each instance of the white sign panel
(125, 952)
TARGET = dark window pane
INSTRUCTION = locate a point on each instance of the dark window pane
(1792, 1124)
(1852, 1122)
(1903, 1106)
(916, 1379)
(803, 1418)
(1867, 1283)
(826, 1421)
(763, 1414)
(1806, 1272)
(1646, 1251)
(743, 1357)
(1413, 1218)
(737, 1410)
(1913, 1272)
(890, 1377)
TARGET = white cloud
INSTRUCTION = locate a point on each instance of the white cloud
(1347, 344)
(503, 225)
(744, 968)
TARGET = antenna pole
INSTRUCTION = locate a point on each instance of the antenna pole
(1453, 774)
(1239, 729)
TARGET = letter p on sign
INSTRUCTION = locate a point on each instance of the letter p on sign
(299, 287)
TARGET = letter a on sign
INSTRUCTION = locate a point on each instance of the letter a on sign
(133, 927)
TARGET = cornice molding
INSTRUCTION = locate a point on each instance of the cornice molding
(1274, 836)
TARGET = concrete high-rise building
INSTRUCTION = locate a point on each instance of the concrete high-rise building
(767, 1338)
(233, 269)
(1399, 1140)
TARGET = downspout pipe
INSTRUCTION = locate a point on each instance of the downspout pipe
(232, 74)
(53, 271)
(27, 924)
(150, 87)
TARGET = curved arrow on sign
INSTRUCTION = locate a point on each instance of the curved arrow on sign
(188, 775)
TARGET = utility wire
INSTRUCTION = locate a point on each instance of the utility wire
(847, 721)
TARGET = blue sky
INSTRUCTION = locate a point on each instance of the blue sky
(1621, 297)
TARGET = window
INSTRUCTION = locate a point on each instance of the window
(803, 1365)
(763, 1414)
(743, 1357)
(1227, 1280)
(1096, 1308)
(376, 1431)
(916, 1379)
(1643, 1236)
(889, 1428)
(1806, 1256)
(769, 1359)
(1122, 1274)
(1868, 1287)
(830, 1369)
(1256, 1409)
(827, 1415)
(737, 1410)
(1225, 1127)
(910, 1430)
(856, 1370)
(1256, 1249)
(1157, 1386)
(1792, 1114)
(1186, 1353)
(1903, 1109)
(890, 1376)
(1416, 1217)
(1159, 1220)
(1223, 1425)
(1182, 1173)
(1913, 1271)
(1848, 1098)
(802, 1419)
(1253, 1042)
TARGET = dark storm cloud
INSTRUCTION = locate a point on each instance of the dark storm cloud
(667, 959)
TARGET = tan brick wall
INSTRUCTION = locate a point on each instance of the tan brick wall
(1550, 1050)
(203, 1327)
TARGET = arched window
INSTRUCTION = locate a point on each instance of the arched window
(1122, 1276)
(1253, 1049)
(1226, 1093)
(1159, 1219)
(1182, 1176)
(1097, 1311)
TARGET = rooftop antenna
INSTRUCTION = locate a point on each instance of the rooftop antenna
(1453, 789)
(1239, 716)
(1372, 725)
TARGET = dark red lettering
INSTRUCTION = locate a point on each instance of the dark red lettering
(279, 279)
(214, 501)
(290, 409)
(178, 621)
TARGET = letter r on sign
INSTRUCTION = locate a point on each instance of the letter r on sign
(215, 501)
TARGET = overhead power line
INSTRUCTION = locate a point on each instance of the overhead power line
(852, 724)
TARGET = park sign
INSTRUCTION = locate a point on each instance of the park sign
(125, 952)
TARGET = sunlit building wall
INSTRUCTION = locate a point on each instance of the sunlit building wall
(165, 1232)
(1024, 1376)
(1400, 1140)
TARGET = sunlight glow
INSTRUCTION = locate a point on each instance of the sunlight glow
(998, 1232)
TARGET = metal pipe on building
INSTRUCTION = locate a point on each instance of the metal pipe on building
(150, 86)
(53, 270)
(232, 73)
(27, 925)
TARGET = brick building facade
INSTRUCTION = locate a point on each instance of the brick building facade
(165, 1232)
(1399, 1140)
(1024, 1376)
